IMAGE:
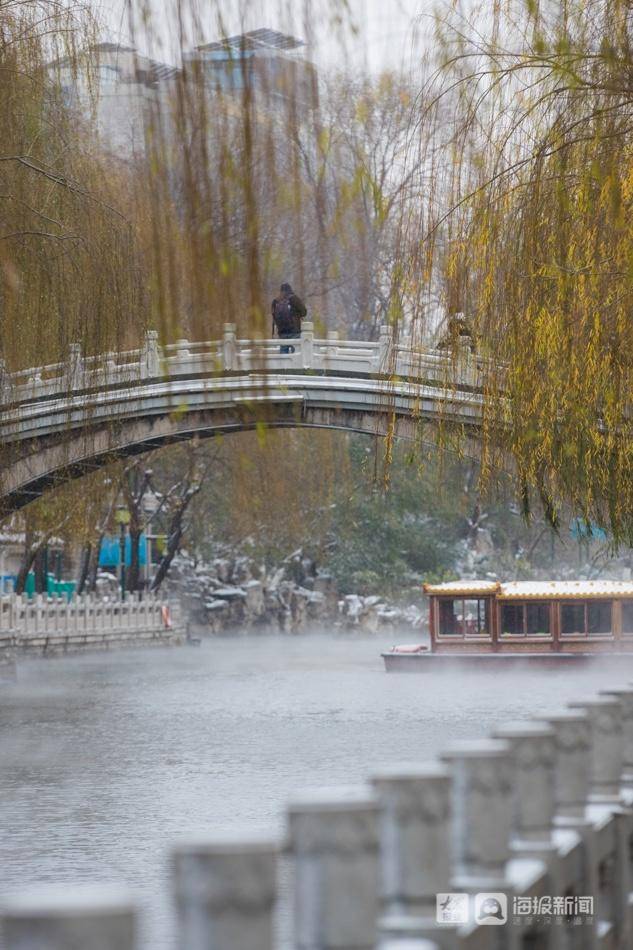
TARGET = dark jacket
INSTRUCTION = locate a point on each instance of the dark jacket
(297, 313)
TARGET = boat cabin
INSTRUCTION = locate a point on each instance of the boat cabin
(531, 617)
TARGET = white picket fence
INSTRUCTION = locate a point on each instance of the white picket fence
(539, 816)
(56, 624)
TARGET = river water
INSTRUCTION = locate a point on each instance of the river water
(105, 760)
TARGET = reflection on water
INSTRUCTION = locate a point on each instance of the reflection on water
(105, 760)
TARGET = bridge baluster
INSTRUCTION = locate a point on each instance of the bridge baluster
(229, 348)
(75, 366)
(59, 918)
(307, 344)
(333, 836)
(382, 359)
(225, 894)
(150, 356)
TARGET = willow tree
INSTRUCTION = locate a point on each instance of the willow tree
(539, 242)
(70, 263)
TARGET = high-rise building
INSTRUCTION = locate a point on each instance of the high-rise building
(117, 90)
(268, 65)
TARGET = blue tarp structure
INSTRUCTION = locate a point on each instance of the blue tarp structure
(583, 530)
(109, 553)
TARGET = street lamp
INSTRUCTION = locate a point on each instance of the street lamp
(122, 518)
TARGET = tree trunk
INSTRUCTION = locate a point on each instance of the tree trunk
(134, 570)
(86, 556)
(94, 564)
(27, 561)
(173, 544)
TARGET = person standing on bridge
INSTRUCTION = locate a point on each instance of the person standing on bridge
(288, 311)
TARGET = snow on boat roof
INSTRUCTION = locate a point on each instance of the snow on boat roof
(534, 590)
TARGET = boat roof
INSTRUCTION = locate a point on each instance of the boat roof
(534, 590)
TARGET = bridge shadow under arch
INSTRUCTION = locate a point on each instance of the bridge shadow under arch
(62, 455)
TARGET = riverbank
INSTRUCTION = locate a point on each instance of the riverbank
(52, 626)
(237, 595)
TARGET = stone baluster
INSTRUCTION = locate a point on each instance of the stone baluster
(415, 837)
(307, 344)
(625, 697)
(150, 356)
(333, 839)
(182, 350)
(383, 358)
(482, 813)
(571, 767)
(533, 746)
(5, 382)
(68, 918)
(229, 347)
(605, 729)
(75, 366)
(225, 892)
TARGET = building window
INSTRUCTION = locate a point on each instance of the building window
(528, 619)
(627, 617)
(460, 617)
(587, 618)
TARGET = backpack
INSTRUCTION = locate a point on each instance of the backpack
(286, 319)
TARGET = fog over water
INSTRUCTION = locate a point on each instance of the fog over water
(105, 760)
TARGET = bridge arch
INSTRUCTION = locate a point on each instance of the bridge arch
(53, 432)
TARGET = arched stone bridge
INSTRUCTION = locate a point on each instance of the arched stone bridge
(61, 421)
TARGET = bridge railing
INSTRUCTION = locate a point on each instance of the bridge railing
(384, 357)
(27, 623)
(522, 840)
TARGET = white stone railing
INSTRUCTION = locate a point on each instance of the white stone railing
(232, 355)
(541, 813)
(49, 624)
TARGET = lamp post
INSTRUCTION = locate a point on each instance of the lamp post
(122, 518)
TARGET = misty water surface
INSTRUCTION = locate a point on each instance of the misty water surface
(107, 759)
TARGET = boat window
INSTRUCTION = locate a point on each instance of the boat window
(572, 618)
(599, 617)
(627, 616)
(450, 618)
(537, 620)
(512, 619)
(460, 617)
(522, 619)
(587, 618)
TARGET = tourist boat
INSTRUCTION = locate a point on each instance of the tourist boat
(546, 621)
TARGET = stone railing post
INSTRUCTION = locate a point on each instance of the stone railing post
(75, 366)
(382, 360)
(533, 746)
(625, 697)
(182, 349)
(482, 813)
(571, 764)
(333, 840)
(60, 919)
(229, 349)
(225, 894)
(415, 838)
(5, 382)
(307, 344)
(150, 356)
(605, 729)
